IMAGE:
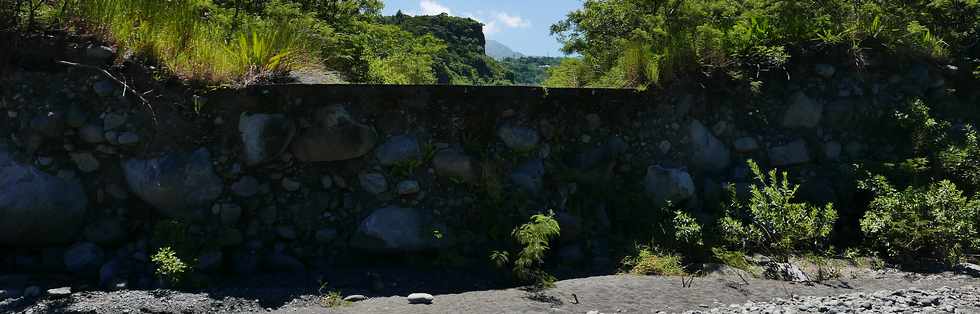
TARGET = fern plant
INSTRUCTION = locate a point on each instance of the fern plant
(772, 221)
(534, 238)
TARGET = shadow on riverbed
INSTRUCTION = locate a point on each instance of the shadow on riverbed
(275, 290)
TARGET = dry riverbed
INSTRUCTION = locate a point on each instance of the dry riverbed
(886, 291)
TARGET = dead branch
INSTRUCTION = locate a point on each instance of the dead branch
(125, 86)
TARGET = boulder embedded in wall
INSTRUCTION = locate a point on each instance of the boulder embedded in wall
(397, 230)
(37, 208)
(399, 149)
(707, 152)
(803, 112)
(334, 137)
(794, 153)
(518, 138)
(746, 144)
(668, 185)
(84, 257)
(596, 164)
(454, 164)
(264, 136)
(180, 185)
(529, 176)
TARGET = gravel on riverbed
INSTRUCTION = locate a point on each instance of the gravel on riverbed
(943, 300)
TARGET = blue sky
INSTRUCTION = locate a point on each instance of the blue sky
(522, 25)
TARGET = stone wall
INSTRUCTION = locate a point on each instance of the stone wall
(293, 177)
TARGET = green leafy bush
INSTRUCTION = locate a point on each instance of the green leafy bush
(771, 221)
(687, 230)
(533, 237)
(169, 267)
(571, 72)
(647, 262)
(933, 221)
(649, 42)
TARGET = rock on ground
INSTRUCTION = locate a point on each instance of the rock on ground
(420, 298)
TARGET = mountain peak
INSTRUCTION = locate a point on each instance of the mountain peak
(499, 51)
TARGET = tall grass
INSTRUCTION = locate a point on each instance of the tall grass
(188, 39)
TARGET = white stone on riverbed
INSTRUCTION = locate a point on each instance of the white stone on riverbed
(420, 298)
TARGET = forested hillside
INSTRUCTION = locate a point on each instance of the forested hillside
(530, 70)
(465, 60)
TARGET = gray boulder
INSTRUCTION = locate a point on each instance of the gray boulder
(785, 272)
(180, 185)
(49, 124)
(355, 298)
(92, 134)
(529, 176)
(373, 183)
(128, 138)
(968, 269)
(454, 164)
(707, 152)
(399, 230)
(665, 184)
(518, 138)
(746, 144)
(99, 53)
(84, 257)
(264, 136)
(247, 186)
(85, 161)
(794, 153)
(399, 149)
(37, 208)
(596, 164)
(824, 70)
(831, 150)
(803, 112)
(335, 137)
(210, 261)
(420, 298)
(279, 262)
(106, 231)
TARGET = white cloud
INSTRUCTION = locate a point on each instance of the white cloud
(490, 28)
(430, 7)
(512, 21)
(494, 23)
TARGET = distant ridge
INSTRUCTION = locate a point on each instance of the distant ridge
(499, 51)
